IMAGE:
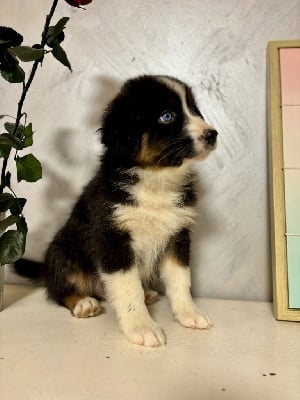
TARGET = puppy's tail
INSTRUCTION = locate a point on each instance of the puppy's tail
(29, 269)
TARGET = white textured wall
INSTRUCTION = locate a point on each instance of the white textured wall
(219, 47)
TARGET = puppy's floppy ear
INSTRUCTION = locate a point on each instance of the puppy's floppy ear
(120, 127)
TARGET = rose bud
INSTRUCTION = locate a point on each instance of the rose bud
(78, 3)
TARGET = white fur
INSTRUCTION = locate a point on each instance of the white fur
(87, 307)
(156, 217)
(177, 281)
(126, 294)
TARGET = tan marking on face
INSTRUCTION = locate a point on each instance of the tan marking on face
(147, 155)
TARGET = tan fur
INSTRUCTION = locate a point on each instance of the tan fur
(82, 282)
(151, 297)
(71, 301)
(145, 156)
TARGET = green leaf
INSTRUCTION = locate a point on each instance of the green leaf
(22, 226)
(28, 130)
(61, 24)
(54, 31)
(17, 207)
(12, 246)
(28, 133)
(6, 201)
(15, 75)
(14, 38)
(7, 179)
(5, 223)
(8, 60)
(27, 53)
(59, 53)
(27, 142)
(4, 150)
(55, 34)
(11, 140)
(10, 127)
(28, 168)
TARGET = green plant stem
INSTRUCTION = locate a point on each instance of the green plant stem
(26, 88)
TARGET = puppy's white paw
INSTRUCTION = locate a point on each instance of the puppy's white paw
(194, 319)
(147, 334)
(87, 307)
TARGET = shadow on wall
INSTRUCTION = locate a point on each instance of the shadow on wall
(104, 89)
(70, 161)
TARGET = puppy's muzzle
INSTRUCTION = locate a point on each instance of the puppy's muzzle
(210, 136)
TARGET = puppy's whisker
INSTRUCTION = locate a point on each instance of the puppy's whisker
(180, 154)
(172, 149)
(169, 153)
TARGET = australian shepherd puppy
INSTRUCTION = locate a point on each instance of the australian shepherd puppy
(131, 224)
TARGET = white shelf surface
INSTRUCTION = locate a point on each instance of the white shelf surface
(46, 354)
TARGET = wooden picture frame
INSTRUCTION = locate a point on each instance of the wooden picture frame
(277, 177)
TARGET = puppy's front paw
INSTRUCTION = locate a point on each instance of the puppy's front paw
(194, 319)
(147, 334)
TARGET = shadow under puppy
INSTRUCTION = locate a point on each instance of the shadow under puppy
(131, 224)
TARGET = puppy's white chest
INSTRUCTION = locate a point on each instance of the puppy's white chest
(156, 216)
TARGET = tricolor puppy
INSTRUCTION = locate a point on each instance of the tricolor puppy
(131, 224)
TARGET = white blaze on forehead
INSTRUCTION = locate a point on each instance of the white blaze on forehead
(178, 88)
(195, 125)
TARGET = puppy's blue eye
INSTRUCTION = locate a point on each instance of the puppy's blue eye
(167, 117)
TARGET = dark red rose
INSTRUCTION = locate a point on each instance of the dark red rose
(78, 3)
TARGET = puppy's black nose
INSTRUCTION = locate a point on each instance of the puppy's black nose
(210, 136)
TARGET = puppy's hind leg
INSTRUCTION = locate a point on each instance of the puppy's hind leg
(83, 306)
(151, 296)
